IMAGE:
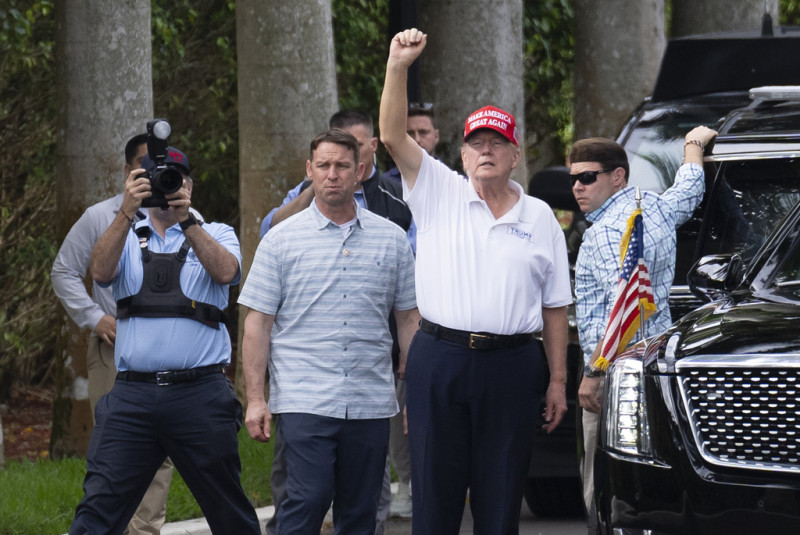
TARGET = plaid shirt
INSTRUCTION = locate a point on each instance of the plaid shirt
(598, 264)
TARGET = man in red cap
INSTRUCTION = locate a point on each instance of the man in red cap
(491, 272)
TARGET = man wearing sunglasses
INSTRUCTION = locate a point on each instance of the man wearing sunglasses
(599, 179)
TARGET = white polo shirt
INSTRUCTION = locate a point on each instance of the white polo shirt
(476, 273)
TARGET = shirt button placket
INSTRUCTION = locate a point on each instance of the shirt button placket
(345, 359)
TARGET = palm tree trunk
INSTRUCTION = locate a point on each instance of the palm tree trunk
(105, 97)
(287, 92)
(473, 59)
(618, 49)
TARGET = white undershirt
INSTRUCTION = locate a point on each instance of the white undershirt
(347, 228)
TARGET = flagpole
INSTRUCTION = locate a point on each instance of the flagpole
(633, 277)
(641, 307)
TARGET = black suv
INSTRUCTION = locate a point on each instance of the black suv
(703, 91)
(700, 431)
(741, 205)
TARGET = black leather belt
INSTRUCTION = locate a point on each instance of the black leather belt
(475, 340)
(171, 376)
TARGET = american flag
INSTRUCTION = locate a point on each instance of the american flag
(633, 290)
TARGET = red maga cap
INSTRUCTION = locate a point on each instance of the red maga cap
(494, 119)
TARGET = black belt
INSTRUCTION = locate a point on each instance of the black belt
(475, 340)
(171, 376)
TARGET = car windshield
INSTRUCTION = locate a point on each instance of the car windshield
(777, 118)
(752, 197)
(785, 267)
(655, 143)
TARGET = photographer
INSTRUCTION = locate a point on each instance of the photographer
(170, 277)
(96, 312)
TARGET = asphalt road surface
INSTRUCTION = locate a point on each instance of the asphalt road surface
(528, 525)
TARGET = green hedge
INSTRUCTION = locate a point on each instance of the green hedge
(40, 498)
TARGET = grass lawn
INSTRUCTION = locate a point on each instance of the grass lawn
(40, 498)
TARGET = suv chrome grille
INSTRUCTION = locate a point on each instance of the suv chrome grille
(744, 411)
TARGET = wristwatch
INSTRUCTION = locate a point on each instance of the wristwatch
(591, 371)
(188, 222)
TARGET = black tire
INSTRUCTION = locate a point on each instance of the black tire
(555, 496)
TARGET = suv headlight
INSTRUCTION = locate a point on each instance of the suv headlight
(627, 429)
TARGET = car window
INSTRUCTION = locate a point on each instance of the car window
(655, 148)
(748, 200)
(655, 144)
(783, 118)
(779, 274)
(787, 279)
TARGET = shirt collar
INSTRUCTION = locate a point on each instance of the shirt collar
(516, 212)
(598, 214)
(148, 222)
(320, 221)
(172, 231)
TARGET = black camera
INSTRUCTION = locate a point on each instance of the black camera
(164, 178)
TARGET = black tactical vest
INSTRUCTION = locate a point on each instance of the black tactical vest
(160, 295)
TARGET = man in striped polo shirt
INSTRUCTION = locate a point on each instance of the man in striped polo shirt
(320, 290)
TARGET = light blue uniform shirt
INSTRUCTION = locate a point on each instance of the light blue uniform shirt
(330, 348)
(598, 265)
(154, 344)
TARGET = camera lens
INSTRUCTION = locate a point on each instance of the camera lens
(168, 180)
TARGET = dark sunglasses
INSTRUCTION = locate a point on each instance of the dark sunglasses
(587, 177)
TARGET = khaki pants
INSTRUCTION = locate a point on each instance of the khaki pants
(590, 422)
(151, 513)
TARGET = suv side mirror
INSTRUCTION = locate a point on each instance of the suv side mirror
(713, 276)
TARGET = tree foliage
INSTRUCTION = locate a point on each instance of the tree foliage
(194, 80)
(194, 87)
(27, 135)
(360, 35)
(549, 47)
(790, 12)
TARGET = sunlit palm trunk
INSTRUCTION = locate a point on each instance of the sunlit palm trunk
(287, 92)
(473, 58)
(618, 49)
(105, 97)
(691, 17)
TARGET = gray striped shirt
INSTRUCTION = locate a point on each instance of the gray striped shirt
(330, 349)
